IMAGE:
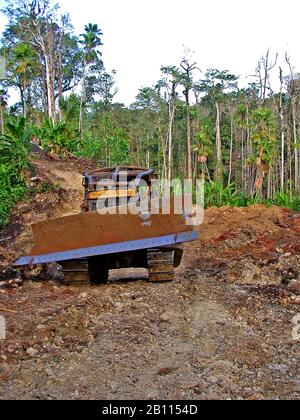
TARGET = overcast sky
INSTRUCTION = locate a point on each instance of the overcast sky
(141, 35)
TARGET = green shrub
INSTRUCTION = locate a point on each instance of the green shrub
(57, 137)
(218, 196)
(12, 189)
(14, 161)
(285, 200)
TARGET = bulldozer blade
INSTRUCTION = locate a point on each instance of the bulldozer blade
(91, 234)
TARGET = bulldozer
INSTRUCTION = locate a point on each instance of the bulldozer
(90, 244)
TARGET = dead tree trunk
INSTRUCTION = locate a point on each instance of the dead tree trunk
(296, 153)
(231, 149)
(172, 110)
(188, 136)
(219, 167)
(188, 84)
(282, 130)
(60, 72)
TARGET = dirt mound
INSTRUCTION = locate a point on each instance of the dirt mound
(255, 245)
(221, 223)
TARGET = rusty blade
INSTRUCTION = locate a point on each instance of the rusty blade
(89, 234)
(161, 241)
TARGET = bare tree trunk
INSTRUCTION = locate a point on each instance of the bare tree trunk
(294, 124)
(269, 193)
(219, 167)
(80, 124)
(47, 49)
(172, 109)
(249, 150)
(48, 83)
(243, 176)
(282, 130)
(188, 136)
(259, 181)
(52, 72)
(195, 168)
(290, 164)
(188, 83)
(164, 153)
(42, 37)
(296, 154)
(267, 67)
(60, 73)
(45, 89)
(231, 150)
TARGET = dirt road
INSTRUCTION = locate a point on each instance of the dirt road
(222, 330)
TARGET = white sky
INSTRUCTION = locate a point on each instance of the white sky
(141, 35)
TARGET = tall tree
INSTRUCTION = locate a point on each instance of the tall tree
(294, 94)
(38, 38)
(188, 68)
(282, 131)
(171, 81)
(215, 85)
(107, 89)
(90, 41)
(264, 142)
(263, 70)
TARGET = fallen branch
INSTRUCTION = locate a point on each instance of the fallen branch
(9, 310)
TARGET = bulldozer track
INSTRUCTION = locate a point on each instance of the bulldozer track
(76, 272)
(161, 265)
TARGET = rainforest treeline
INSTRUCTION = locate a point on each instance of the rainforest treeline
(244, 141)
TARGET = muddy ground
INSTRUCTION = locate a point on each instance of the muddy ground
(222, 330)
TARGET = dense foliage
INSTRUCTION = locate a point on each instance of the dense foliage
(243, 141)
(14, 160)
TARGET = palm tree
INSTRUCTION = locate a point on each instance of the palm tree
(264, 143)
(26, 68)
(91, 41)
